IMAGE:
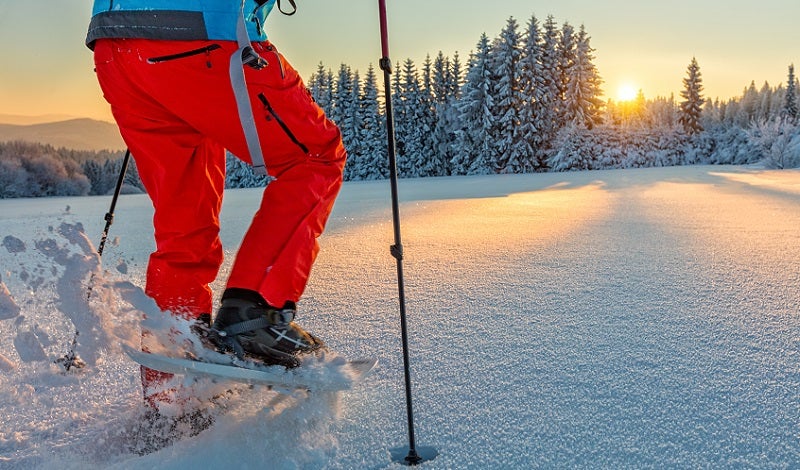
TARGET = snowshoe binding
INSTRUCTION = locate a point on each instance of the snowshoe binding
(250, 328)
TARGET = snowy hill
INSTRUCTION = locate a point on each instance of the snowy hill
(608, 319)
(76, 134)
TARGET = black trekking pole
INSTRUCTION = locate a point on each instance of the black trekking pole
(71, 359)
(413, 455)
(110, 214)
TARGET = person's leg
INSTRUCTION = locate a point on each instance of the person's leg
(304, 150)
(183, 173)
(301, 148)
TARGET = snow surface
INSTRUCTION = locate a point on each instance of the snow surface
(610, 319)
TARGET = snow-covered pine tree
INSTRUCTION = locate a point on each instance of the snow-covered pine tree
(532, 90)
(566, 59)
(456, 78)
(549, 108)
(475, 117)
(581, 103)
(320, 87)
(430, 162)
(778, 99)
(342, 96)
(427, 77)
(440, 77)
(410, 122)
(103, 177)
(509, 145)
(749, 105)
(373, 160)
(692, 104)
(344, 112)
(399, 117)
(764, 102)
(358, 119)
(445, 135)
(355, 128)
(446, 115)
(790, 97)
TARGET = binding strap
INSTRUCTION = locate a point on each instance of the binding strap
(277, 321)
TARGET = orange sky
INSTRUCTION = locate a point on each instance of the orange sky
(646, 44)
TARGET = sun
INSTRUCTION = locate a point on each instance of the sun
(627, 92)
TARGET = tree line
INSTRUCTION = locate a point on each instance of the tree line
(37, 170)
(498, 113)
(529, 100)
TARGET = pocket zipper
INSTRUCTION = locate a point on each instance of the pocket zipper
(182, 55)
(280, 122)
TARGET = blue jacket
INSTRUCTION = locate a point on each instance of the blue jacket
(178, 20)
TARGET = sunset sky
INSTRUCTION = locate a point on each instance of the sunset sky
(643, 45)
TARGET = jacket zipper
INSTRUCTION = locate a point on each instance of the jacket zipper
(181, 55)
(280, 122)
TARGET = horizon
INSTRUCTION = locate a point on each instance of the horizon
(642, 46)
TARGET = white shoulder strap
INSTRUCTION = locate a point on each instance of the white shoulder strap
(246, 56)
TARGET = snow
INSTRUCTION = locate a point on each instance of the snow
(609, 319)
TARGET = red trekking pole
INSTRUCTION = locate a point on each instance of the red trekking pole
(413, 456)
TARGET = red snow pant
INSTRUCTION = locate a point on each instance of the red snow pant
(175, 108)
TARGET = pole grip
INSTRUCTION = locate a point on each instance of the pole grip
(384, 29)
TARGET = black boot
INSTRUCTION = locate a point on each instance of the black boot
(245, 323)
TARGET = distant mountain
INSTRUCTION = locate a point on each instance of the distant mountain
(76, 134)
(19, 119)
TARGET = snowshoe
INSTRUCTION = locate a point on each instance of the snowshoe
(246, 325)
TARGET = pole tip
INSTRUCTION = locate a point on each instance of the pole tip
(413, 457)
